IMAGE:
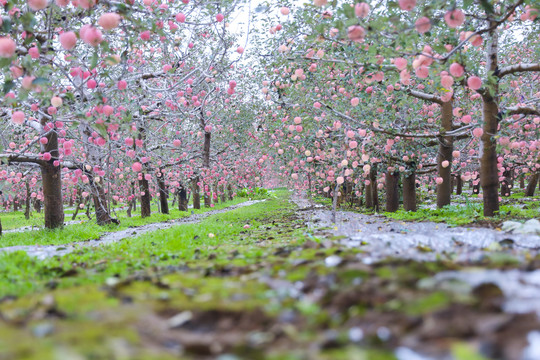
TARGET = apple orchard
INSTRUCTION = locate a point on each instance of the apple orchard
(128, 102)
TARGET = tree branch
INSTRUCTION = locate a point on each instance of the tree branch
(424, 96)
(509, 70)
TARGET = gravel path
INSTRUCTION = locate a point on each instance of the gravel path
(381, 237)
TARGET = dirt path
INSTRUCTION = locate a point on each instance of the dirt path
(45, 251)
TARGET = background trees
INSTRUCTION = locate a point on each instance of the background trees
(403, 83)
(146, 99)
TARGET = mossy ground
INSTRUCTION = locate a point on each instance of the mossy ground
(221, 290)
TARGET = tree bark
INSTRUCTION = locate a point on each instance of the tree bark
(99, 197)
(145, 198)
(446, 146)
(392, 191)
(506, 183)
(100, 204)
(206, 166)
(163, 194)
(52, 193)
(79, 202)
(374, 191)
(531, 186)
(223, 196)
(27, 201)
(37, 206)
(196, 193)
(489, 178)
(230, 192)
(409, 192)
(182, 199)
(459, 184)
(369, 196)
(134, 197)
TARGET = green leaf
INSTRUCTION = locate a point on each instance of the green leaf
(348, 10)
(128, 117)
(121, 8)
(93, 62)
(10, 5)
(69, 96)
(102, 130)
(8, 85)
(40, 81)
(6, 24)
(463, 351)
(4, 62)
(29, 21)
(487, 6)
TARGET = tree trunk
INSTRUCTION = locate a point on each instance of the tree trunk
(446, 146)
(334, 203)
(206, 166)
(99, 197)
(145, 198)
(103, 216)
(196, 193)
(489, 178)
(52, 193)
(409, 192)
(27, 201)
(134, 197)
(79, 202)
(223, 196)
(531, 186)
(88, 210)
(459, 184)
(37, 206)
(182, 199)
(506, 183)
(511, 177)
(369, 196)
(163, 195)
(522, 182)
(374, 190)
(392, 191)
(230, 192)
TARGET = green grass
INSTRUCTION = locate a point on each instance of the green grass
(88, 229)
(21, 273)
(456, 215)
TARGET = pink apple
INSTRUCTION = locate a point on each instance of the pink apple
(7, 47)
(407, 5)
(109, 21)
